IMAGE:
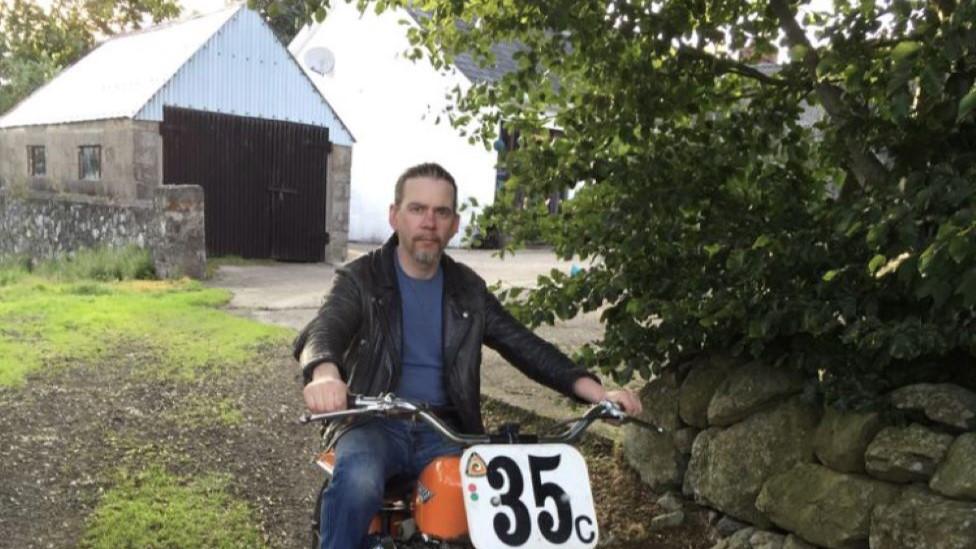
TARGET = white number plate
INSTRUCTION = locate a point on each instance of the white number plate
(532, 496)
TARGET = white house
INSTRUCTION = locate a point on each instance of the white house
(391, 104)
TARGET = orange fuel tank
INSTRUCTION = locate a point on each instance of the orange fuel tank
(439, 500)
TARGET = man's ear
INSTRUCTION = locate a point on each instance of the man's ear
(456, 225)
(392, 216)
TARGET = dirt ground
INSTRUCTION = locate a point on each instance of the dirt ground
(66, 434)
(68, 431)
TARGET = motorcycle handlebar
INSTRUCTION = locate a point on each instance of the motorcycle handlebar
(390, 406)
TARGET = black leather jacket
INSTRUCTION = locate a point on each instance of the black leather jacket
(359, 329)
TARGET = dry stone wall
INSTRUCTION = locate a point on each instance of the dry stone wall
(745, 440)
(46, 225)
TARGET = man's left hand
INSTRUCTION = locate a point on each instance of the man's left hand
(591, 391)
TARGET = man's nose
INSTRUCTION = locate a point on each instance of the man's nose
(428, 219)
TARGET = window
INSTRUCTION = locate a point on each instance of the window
(90, 162)
(36, 161)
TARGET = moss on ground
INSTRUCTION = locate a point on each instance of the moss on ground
(156, 509)
(197, 413)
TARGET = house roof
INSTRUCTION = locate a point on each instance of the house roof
(228, 61)
(504, 63)
(504, 57)
(119, 76)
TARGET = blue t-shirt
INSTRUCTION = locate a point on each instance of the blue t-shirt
(422, 375)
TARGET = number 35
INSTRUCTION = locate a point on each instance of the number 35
(543, 490)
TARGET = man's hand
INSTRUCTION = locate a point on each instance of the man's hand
(326, 392)
(593, 392)
(626, 400)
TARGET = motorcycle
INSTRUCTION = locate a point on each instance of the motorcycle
(507, 489)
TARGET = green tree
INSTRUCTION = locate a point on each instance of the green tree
(36, 43)
(716, 220)
(286, 17)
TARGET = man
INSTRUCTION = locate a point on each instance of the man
(408, 319)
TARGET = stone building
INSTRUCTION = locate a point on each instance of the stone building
(215, 101)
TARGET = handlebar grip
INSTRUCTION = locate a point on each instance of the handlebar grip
(352, 402)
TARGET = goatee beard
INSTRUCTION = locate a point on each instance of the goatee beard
(426, 258)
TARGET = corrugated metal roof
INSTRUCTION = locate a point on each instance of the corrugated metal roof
(228, 61)
(244, 70)
(117, 78)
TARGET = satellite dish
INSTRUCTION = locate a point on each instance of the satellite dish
(320, 60)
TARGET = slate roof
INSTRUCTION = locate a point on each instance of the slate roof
(476, 73)
(504, 63)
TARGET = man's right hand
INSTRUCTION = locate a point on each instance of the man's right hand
(326, 392)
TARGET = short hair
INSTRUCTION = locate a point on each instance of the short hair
(427, 169)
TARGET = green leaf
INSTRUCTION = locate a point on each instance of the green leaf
(905, 50)
(876, 263)
(966, 105)
(959, 248)
(967, 288)
(798, 52)
(827, 64)
(925, 261)
(712, 249)
(761, 242)
(854, 228)
(831, 274)
(877, 235)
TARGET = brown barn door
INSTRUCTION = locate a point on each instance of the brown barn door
(264, 181)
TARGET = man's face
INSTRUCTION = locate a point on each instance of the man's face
(425, 220)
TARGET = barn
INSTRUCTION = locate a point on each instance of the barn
(214, 101)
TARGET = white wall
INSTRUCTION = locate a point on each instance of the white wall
(389, 103)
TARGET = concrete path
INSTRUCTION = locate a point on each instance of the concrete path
(289, 294)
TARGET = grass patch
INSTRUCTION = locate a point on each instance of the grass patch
(205, 412)
(99, 264)
(156, 509)
(43, 321)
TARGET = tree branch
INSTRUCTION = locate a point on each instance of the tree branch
(865, 165)
(733, 66)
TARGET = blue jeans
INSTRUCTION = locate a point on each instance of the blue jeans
(366, 457)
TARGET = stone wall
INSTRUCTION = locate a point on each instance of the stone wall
(132, 170)
(131, 158)
(338, 191)
(45, 225)
(179, 246)
(747, 441)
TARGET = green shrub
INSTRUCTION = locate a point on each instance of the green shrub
(102, 264)
(13, 269)
(712, 219)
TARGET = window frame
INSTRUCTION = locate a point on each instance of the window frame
(98, 162)
(31, 165)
